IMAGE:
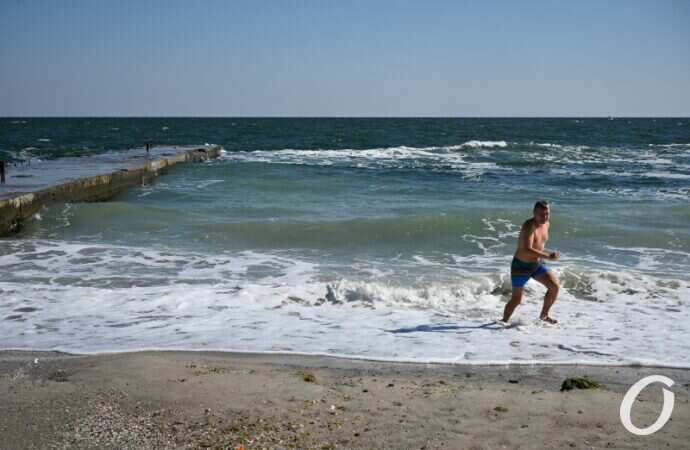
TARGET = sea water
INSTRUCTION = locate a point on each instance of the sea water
(374, 238)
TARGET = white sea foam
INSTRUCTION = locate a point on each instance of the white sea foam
(638, 193)
(657, 259)
(474, 159)
(669, 175)
(671, 145)
(565, 147)
(206, 183)
(433, 158)
(484, 144)
(654, 160)
(546, 145)
(91, 298)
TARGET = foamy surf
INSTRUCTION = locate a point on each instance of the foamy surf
(89, 298)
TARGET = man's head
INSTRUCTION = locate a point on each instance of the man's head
(542, 211)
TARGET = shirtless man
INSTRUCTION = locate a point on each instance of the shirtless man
(527, 262)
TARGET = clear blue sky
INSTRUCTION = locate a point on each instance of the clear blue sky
(344, 58)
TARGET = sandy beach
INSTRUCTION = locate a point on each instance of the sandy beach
(261, 401)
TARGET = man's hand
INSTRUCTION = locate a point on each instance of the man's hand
(554, 255)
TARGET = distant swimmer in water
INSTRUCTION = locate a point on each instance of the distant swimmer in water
(528, 262)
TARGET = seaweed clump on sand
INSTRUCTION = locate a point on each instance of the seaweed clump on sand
(579, 383)
(58, 375)
(307, 377)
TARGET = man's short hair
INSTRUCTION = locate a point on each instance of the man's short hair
(541, 204)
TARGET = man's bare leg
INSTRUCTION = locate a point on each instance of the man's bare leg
(515, 300)
(549, 280)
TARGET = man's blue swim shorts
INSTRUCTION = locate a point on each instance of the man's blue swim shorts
(521, 271)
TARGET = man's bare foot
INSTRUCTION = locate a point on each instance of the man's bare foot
(548, 319)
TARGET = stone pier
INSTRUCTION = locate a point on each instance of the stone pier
(71, 180)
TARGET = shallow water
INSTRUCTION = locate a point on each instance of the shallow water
(378, 238)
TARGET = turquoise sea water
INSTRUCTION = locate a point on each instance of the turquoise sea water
(380, 238)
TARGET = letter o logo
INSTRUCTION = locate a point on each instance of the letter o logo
(631, 395)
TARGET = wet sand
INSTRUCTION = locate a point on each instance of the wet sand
(260, 401)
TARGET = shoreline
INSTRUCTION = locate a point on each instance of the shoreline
(369, 359)
(202, 399)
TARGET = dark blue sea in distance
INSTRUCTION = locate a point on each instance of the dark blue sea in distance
(367, 237)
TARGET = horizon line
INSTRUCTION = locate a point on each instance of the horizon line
(337, 117)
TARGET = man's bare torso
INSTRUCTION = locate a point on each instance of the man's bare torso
(532, 234)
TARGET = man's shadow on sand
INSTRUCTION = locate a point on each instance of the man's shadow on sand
(452, 328)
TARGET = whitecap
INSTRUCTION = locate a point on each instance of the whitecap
(432, 158)
(668, 175)
(484, 144)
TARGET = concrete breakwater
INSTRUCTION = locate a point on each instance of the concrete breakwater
(80, 180)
